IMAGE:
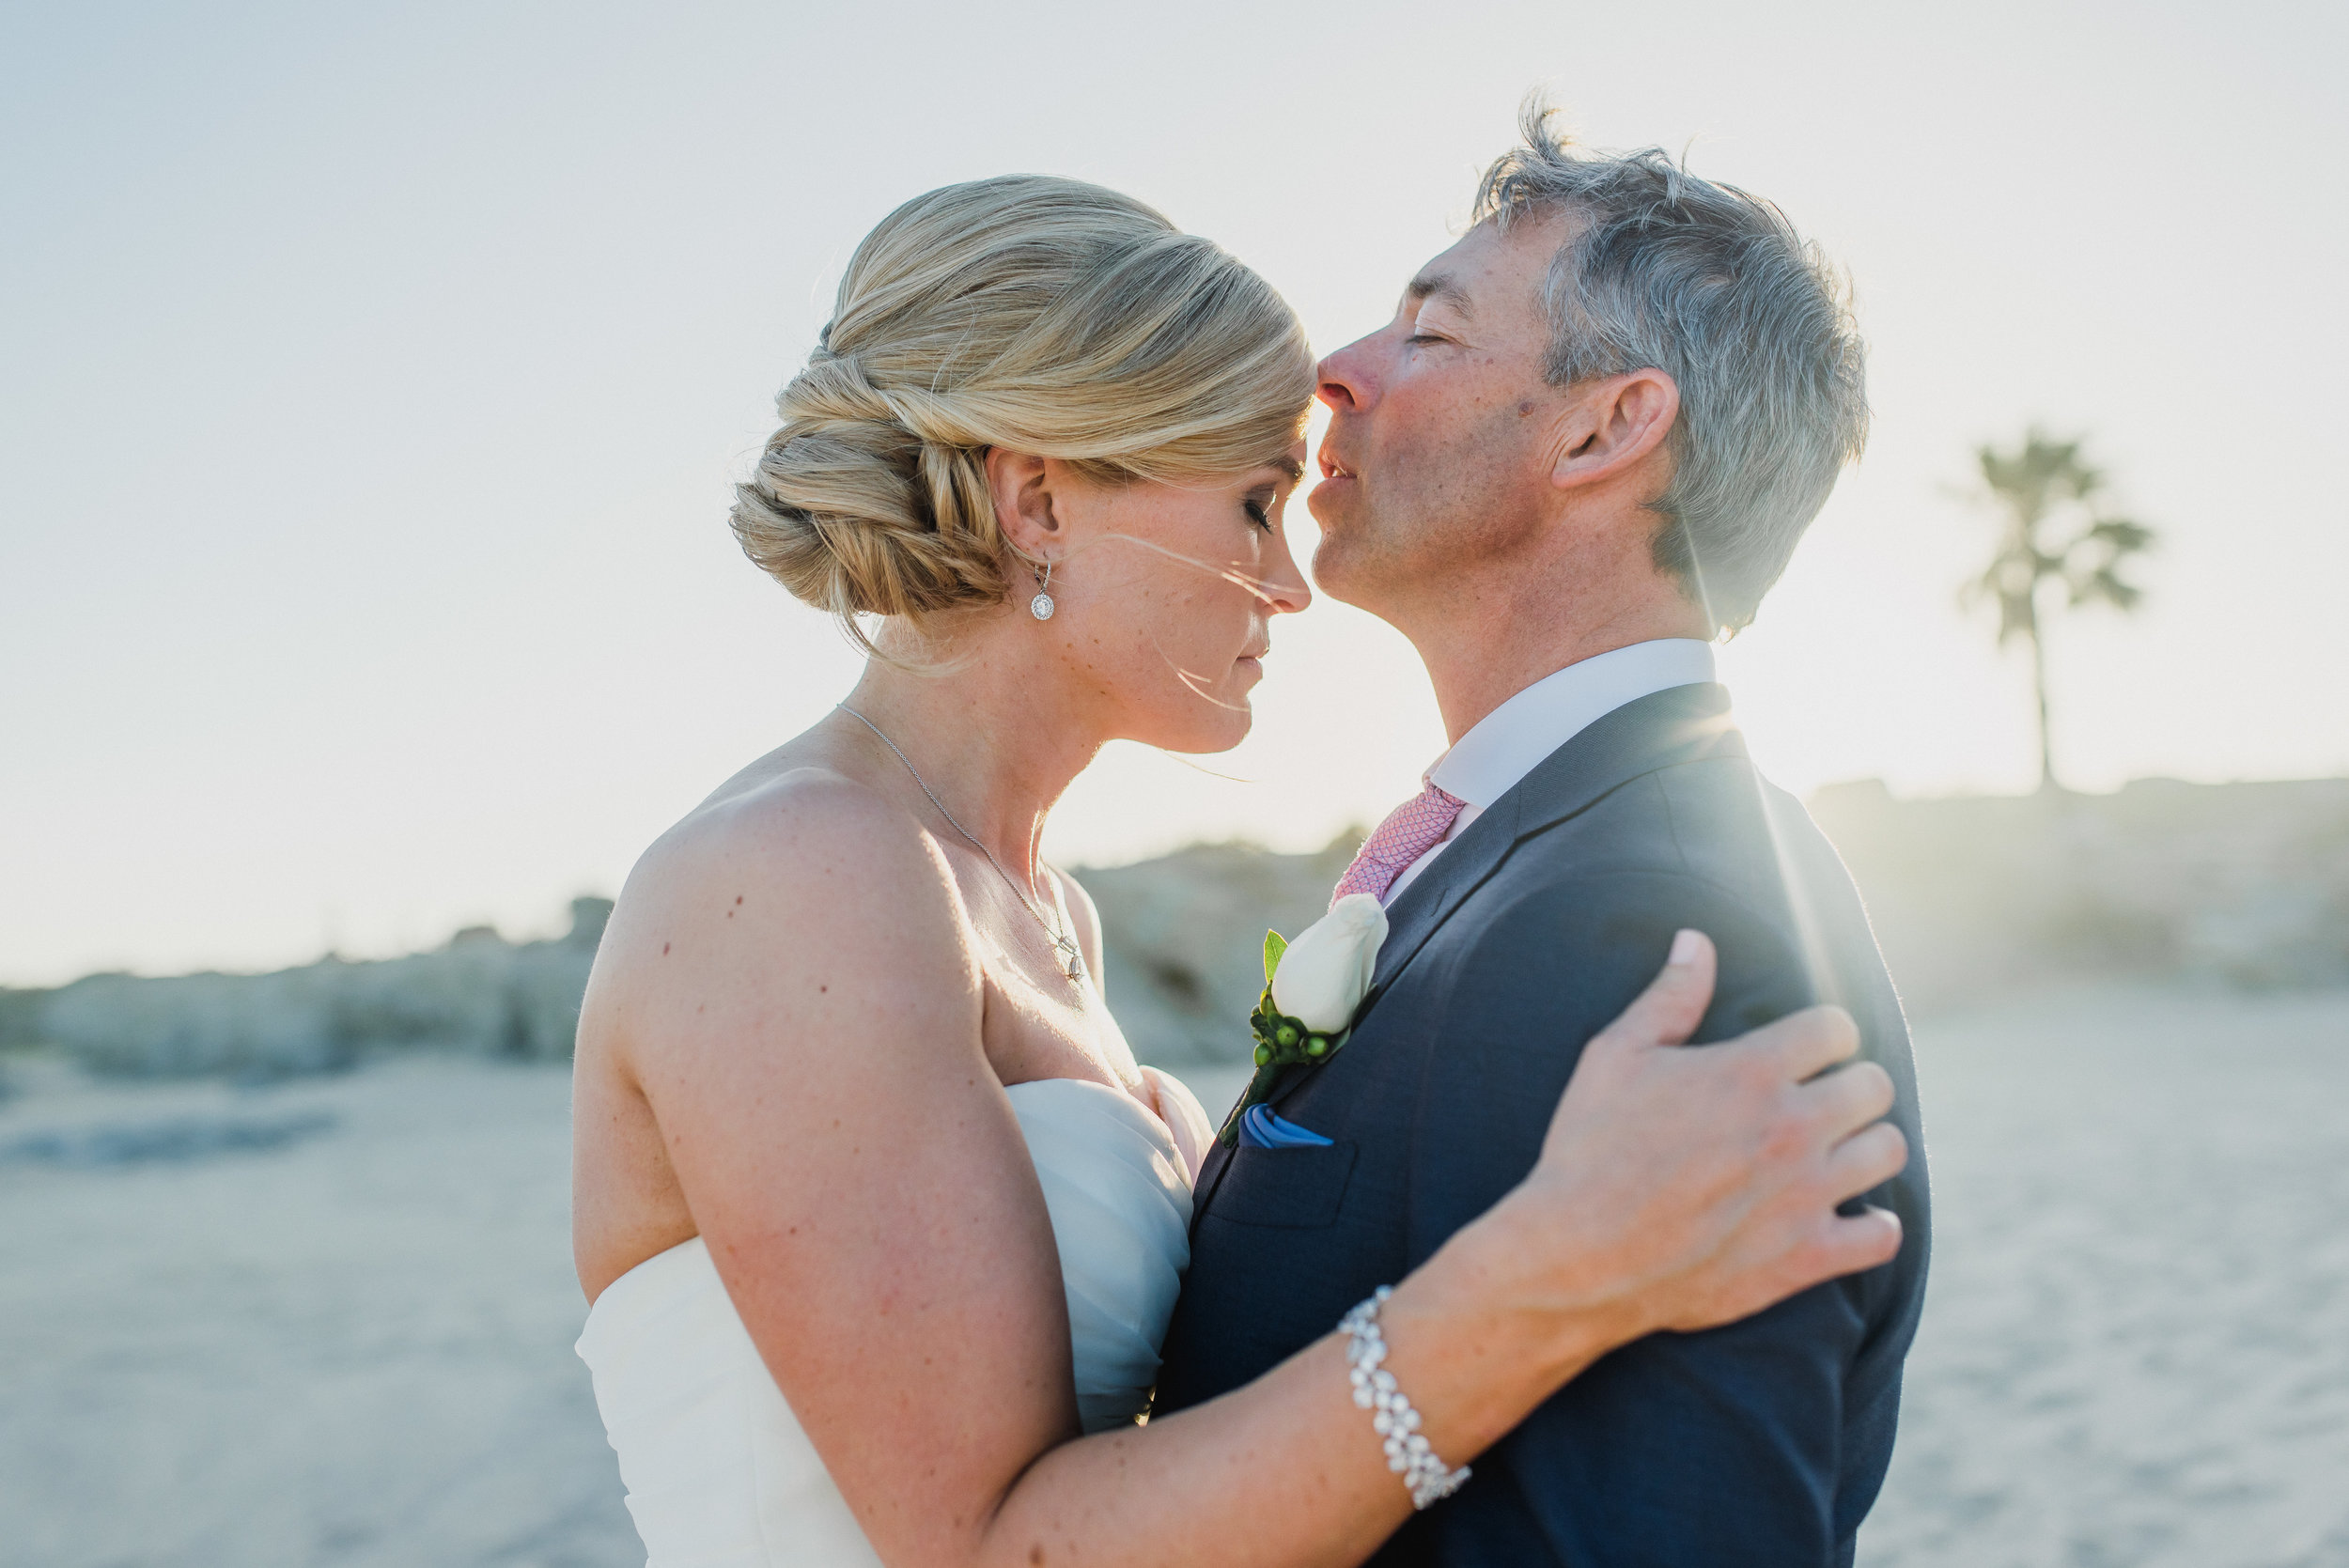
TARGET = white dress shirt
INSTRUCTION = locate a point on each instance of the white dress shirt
(1510, 741)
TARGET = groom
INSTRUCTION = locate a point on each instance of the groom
(1585, 445)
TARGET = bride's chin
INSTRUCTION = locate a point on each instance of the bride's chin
(1226, 729)
(1239, 733)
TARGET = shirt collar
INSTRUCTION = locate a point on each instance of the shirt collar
(1510, 741)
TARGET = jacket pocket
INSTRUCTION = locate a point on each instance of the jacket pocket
(1299, 1188)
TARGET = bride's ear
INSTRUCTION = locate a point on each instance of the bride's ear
(1022, 487)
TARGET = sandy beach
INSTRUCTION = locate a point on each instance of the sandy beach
(2136, 1344)
(330, 1322)
(351, 1348)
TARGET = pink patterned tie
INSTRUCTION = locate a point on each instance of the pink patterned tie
(1409, 831)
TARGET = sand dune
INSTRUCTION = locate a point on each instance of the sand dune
(330, 1323)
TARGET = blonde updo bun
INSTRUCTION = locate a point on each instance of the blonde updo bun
(1047, 315)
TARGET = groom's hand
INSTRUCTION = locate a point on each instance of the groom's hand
(1706, 1179)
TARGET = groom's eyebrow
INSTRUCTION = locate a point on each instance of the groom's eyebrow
(1443, 287)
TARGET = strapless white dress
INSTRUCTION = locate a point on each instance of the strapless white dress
(719, 1473)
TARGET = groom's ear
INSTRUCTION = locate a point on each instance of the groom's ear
(1613, 426)
(1021, 486)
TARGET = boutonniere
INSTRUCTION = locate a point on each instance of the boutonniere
(1312, 986)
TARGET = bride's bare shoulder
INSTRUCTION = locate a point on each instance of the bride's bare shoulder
(793, 821)
(796, 873)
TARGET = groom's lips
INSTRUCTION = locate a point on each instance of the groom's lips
(1332, 466)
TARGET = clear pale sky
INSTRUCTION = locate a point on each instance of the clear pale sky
(372, 382)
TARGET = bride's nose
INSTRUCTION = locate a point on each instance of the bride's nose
(1282, 584)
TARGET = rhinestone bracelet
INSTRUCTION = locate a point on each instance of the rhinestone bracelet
(1429, 1478)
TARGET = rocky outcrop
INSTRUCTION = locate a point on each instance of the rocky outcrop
(2238, 884)
(20, 1017)
(480, 995)
(2242, 884)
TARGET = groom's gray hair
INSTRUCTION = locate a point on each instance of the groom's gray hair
(1714, 287)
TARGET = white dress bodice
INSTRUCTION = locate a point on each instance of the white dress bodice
(719, 1473)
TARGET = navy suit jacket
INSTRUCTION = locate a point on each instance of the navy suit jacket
(1763, 1442)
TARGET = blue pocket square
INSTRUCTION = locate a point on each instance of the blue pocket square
(1261, 1130)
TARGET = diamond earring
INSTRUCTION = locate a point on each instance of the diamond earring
(1041, 606)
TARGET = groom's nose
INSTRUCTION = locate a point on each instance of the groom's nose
(1345, 383)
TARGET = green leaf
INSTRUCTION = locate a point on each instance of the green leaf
(1274, 945)
(1258, 1087)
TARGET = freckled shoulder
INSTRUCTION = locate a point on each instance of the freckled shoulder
(806, 875)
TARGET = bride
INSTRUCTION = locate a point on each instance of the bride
(879, 1221)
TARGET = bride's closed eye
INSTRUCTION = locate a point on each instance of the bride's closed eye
(1259, 512)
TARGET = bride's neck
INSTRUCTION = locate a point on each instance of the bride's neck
(995, 737)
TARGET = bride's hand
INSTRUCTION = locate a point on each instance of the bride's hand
(1686, 1187)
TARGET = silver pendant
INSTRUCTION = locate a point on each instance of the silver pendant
(1041, 606)
(1072, 962)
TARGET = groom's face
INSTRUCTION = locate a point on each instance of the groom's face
(1442, 426)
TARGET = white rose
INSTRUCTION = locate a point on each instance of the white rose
(1322, 977)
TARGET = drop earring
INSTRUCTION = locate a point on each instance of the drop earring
(1041, 606)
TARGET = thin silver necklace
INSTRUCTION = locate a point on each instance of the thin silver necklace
(1072, 961)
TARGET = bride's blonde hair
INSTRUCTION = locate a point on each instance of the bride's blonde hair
(1043, 315)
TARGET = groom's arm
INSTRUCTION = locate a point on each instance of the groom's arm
(1719, 1447)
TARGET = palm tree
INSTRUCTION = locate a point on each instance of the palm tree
(2058, 530)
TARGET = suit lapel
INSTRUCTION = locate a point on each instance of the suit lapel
(1681, 724)
(1658, 731)
(1210, 1175)
(1422, 907)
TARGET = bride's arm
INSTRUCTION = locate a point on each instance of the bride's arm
(798, 1001)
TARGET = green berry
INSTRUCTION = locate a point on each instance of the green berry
(1264, 1056)
(1286, 1034)
(1317, 1047)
